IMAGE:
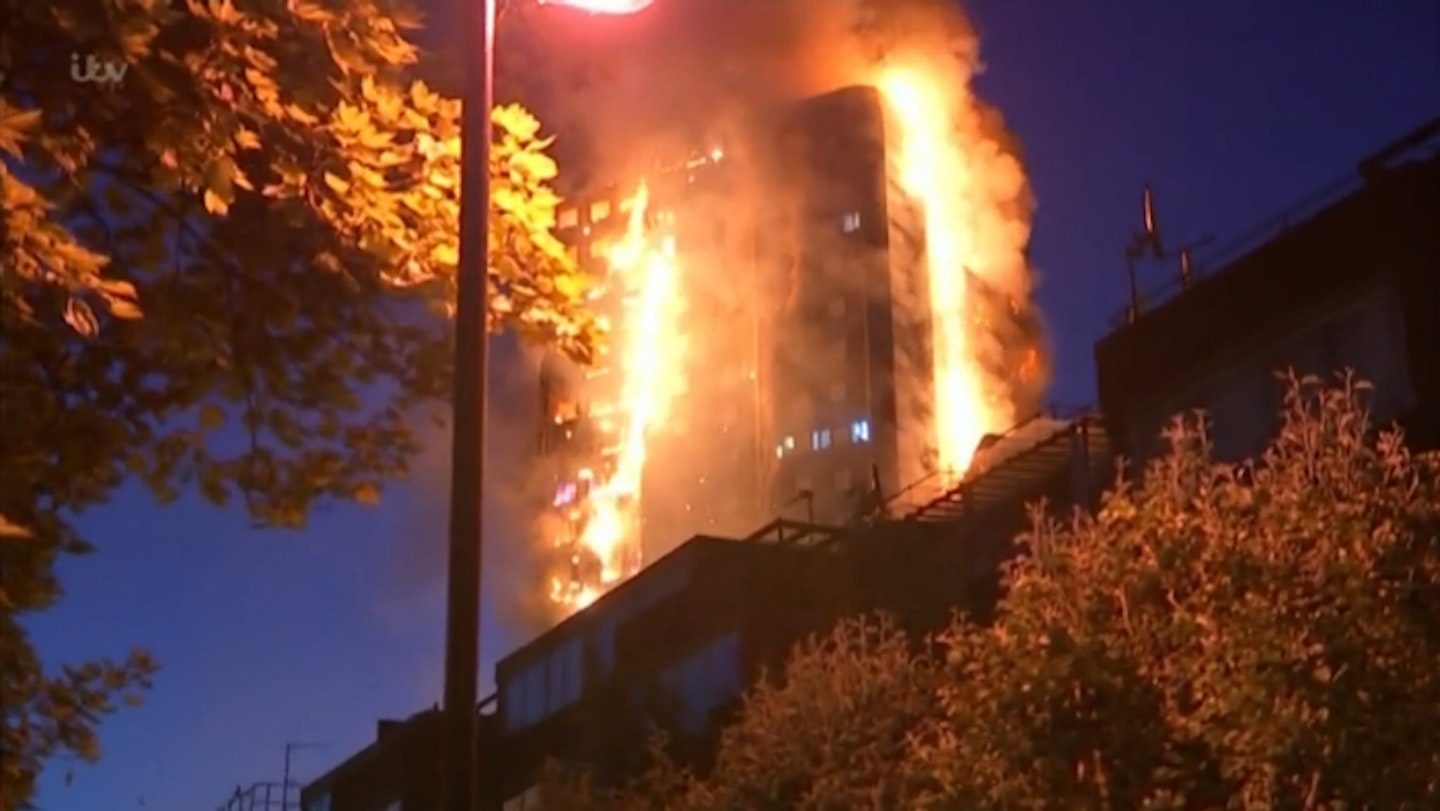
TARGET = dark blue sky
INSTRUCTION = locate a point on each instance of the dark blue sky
(1232, 109)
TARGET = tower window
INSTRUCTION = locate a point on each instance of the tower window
(820, 439)
(850, 223)
(860, 431)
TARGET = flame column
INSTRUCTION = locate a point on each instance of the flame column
(460, 778)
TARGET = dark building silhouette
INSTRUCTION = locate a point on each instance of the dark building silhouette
(400, 771)
(1346, 280)
(671, 646)
(846, 307)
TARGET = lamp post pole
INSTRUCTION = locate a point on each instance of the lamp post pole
(467, 466)
(460, 778)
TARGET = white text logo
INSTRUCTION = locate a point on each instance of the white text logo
(94, 69)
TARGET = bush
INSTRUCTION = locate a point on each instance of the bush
(1264, 635)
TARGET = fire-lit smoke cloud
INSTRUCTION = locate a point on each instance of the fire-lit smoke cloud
(628, 94)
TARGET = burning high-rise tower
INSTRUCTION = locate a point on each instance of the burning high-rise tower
(816, 304)
(777, 346)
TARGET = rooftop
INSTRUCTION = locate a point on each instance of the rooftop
(1421, 143)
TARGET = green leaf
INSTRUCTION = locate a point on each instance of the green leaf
(367, 494)
(214, 203)
(15, 127)
(282, 298)
(246, 139)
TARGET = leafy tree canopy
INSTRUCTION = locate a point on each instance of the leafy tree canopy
(245, 230)
(1216, 636)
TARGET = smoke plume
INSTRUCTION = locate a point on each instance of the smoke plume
(627, 94)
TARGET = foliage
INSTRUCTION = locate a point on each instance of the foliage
(1261, 636)
(246, 231)
(833, 733)
(1215, 636)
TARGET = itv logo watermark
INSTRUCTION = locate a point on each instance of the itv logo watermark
(93, 69)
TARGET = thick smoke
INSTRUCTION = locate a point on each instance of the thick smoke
(415, 572)
(627, 94)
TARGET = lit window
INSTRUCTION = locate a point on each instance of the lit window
(779, 451)
(789, 443)
(569, 217)
(860, 431)
(599, 211)
(566, 665)
(820, 439)
(850, 223)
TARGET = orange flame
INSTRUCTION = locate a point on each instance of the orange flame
(934, 166)
(645, 279)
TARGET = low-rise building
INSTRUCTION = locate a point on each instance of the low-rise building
(1346, 280)
(401, 769)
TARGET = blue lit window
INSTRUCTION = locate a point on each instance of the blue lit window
(819, 440)
(546, 686)
(523, 697)
(860, 431)
(706, 680)
(566, 671)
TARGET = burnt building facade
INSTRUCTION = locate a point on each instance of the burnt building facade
(846, 316)
(1346, 282)
(803, 365)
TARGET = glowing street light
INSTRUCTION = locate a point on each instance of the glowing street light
(602, 6)
(467, 471)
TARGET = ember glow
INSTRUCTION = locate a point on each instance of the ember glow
(948, 176)
(631, 392)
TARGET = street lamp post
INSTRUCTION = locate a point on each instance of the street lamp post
(460, 774)
(467, 463)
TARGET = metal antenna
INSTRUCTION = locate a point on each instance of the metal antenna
(290, 749)
(1147, 242)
